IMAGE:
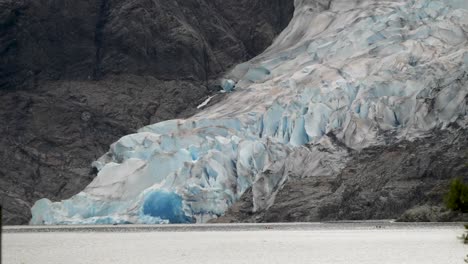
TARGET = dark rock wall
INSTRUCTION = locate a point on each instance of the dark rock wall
(177, 39)
(77, 75)
(46, 40)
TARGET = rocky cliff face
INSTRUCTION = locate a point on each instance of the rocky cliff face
(191, 40)
(77, 75)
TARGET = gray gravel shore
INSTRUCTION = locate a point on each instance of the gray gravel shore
(338, 225)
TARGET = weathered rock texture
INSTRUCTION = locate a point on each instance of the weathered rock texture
(380, 182)
(77, 75)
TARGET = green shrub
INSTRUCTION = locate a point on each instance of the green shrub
(457, 197)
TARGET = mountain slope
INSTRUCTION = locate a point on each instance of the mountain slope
(342, 77)
(77, 75)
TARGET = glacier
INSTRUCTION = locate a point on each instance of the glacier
(343, 74)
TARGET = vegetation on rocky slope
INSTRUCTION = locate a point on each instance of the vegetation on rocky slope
(457, 197)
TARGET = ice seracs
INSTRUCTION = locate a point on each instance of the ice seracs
(228, 85)
(343, 74)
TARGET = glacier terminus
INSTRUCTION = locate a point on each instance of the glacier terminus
(343, 74)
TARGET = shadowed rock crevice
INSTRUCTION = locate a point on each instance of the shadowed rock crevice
(98, 38)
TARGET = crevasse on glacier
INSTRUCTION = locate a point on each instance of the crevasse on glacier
(358, 71)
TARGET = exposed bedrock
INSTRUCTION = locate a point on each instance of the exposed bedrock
(77, 75)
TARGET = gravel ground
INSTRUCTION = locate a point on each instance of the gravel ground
(339, 242)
